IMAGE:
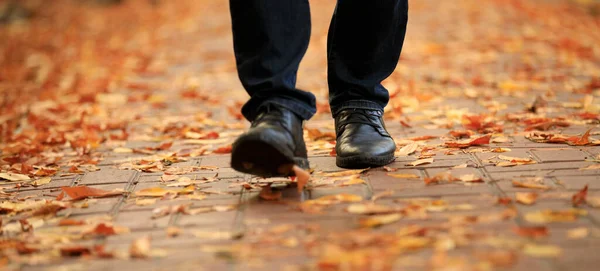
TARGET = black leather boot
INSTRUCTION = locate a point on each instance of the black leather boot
(362, 140)
(272, 146)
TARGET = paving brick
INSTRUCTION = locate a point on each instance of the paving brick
(577, 182)
(107, 175)
(559, 155)
(544, 166)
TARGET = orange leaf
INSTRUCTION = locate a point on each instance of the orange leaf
(302, 177)
(268, 194)
(71, 222)
(82, 192)
(226, 149)
(584, 140)
(579, 197)
(533, 232)
(470, 142)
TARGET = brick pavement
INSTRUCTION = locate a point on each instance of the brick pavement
(241, 231)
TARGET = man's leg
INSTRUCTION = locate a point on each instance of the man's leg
(270, 38)
(364, 45)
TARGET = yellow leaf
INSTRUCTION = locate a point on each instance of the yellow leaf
(122, 150)
(578, 233)
(344, 173)
(378, 220)
(526, 198)
(404, 175)
(302, 177)
(542, 251)
(548, 216)
(362, 209)
(408, 149)
(14, 177)
(140, 248)
(41, 181)
(421, 162)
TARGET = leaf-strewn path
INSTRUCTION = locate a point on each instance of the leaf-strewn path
(116, 121)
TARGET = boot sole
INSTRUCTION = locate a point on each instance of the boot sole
(256, 155)
(360, 161)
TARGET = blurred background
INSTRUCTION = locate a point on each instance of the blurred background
(160, 51)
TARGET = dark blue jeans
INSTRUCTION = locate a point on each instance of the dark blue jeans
(364, 43)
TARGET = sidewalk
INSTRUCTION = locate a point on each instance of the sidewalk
(495, 109)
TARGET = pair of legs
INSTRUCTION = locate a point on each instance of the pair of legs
(363, 47)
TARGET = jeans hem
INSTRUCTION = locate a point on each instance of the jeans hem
(250, 109)
(355, 104)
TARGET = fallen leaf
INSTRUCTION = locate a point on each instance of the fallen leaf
(531, 232)
(531, 183)
(14, 177)
(408, 149)
(579, 197)
(352, 181)
(404, 175)
(420, 162)
(267, 193)
(344, 173)
(369, 209)
(470, 178)
(42, 181)
(591, 167)
(161, 192)
(379, 220)
(548, 216)
(140, 248)
(82, 192)
(145, 202)
(302, 177)
(442, 177)
(542, 251)
(482, 140)
(578, 233)
(526, 198)
(593, 201)
(122, 150)
(173, 231)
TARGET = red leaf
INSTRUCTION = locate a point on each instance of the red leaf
(74, 251)
(71, 222)
(471, 142)
(226, 149)
(82, 192)
(534, 231)
(103, 230)
(579, 197)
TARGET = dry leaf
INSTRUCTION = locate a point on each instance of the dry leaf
(531, 183)
(378, 220)
(267, 193)
(82, 192)
(14, 177)
(140, 248)
(369, 209)
(482, 140)
(145, 202)
(531, 232)
(470, 178)
(173, 231)
(548, 216)
(421, 162)
(408, 149)
(578, 233)
(302, 177)
(579, 197)
(404, 175)
(527, 198)
(344, 173)
(160, 192)
(42, 181)
(542, 251)
(591, 167)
